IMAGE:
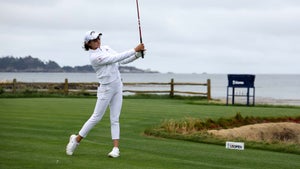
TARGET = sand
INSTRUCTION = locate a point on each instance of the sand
(285, 132)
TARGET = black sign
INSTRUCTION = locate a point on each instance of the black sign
(241, 80)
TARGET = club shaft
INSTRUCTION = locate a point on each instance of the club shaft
(139, 24)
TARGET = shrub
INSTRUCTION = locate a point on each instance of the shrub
(1, 90)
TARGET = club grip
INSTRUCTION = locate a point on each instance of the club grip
(142, 52)
(141, 41)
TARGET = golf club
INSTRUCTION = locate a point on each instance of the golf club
(139, 24)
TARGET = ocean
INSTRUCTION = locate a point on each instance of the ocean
(267, 86)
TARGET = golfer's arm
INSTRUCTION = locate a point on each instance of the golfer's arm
(131, 58)
(114, 58)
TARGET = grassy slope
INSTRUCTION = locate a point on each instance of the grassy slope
(34, 133)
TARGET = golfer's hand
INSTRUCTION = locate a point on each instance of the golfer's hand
(139, 47)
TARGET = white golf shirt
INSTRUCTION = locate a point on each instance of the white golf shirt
(105, 62)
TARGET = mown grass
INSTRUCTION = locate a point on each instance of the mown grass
(35, 131)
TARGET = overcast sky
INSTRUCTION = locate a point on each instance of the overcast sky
(181, 36)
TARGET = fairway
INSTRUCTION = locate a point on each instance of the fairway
(35, 131)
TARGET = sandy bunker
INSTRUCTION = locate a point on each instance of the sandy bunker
(284, 132)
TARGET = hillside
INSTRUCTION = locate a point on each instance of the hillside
(30, 64)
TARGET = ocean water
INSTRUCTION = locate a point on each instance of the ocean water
(269, 86)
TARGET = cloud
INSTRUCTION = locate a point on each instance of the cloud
(214, 36)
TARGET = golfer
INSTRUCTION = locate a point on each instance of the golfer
(105, 62)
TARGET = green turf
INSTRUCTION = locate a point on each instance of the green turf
(35, 131)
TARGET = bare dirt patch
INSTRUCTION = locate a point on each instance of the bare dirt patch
(283, 132)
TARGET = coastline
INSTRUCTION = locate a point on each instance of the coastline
(265, 100)
(273, 101)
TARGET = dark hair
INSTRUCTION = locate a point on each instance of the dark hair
(86, 46)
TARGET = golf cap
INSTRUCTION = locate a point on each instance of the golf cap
(91, 35)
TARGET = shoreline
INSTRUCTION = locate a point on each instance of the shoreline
(265, 100)
(294, 102)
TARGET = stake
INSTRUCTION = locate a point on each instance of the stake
(139, 24)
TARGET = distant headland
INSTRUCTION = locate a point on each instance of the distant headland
(30, 64)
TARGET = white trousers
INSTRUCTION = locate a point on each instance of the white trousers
(107, 94)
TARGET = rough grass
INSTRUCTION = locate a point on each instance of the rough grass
(199, 130)
(190, 124)
(35, 131)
